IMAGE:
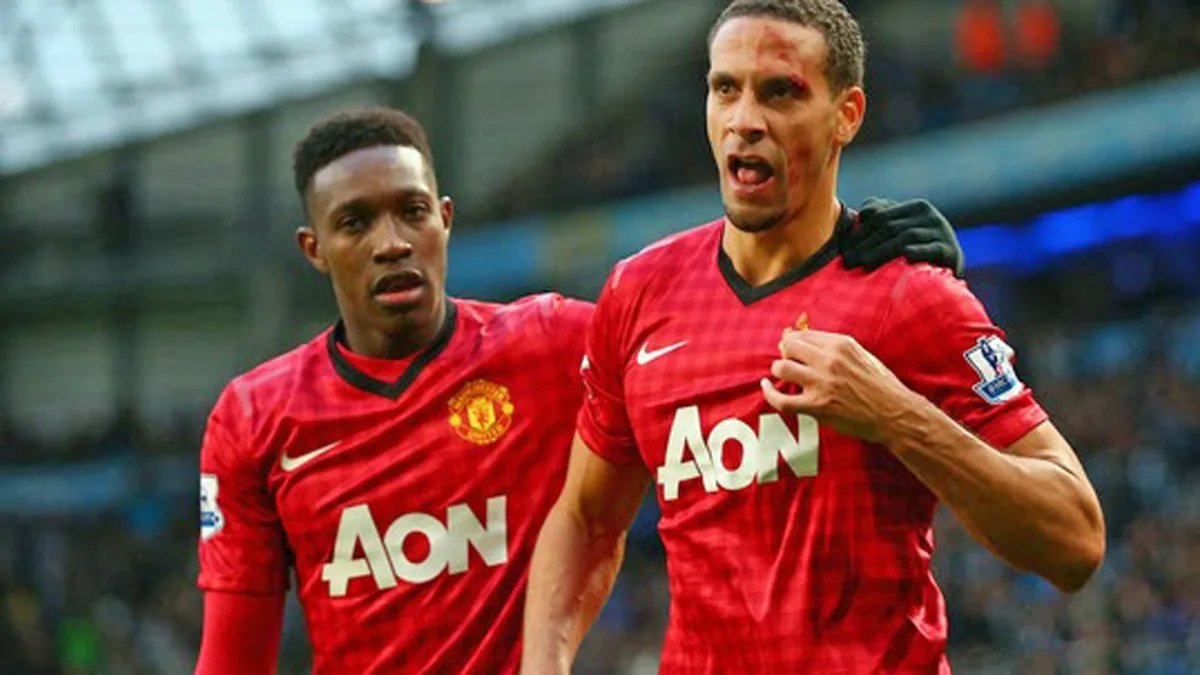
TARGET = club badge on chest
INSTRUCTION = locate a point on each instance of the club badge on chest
(481, 412)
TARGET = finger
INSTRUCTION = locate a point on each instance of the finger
(898, 217)
(890, 231)
(877, 202)
(871, 219)
(911, 208)
(793, 372)
(898, 246)
(802, 347)
(812, 347)
(901, 210)
(784, 403)
(817, 336)
(885, 249)
(854, 243)
(876, 223)
(872, 206)
(936, 253)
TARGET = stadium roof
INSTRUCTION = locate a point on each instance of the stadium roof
(81, 75)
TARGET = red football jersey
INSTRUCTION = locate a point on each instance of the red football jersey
(790, 548)
(406, 496)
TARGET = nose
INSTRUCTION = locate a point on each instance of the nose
(389, 243)
(746, 119)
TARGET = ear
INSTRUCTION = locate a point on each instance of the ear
(446, 205)
(306, 239)
(852, 108)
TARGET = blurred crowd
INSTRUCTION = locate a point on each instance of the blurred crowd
(999, 56)
(94, 596)
(123, 434)
(1016, 54)
(114, 592)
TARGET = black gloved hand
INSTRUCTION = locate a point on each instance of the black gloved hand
(915, 230)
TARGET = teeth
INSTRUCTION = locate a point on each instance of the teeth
(396, 284)
(751, 164)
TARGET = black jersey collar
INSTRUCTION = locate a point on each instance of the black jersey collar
(749, 295)
(360, 380)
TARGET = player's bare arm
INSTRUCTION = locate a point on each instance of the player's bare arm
(577, 557)
(1032, 504)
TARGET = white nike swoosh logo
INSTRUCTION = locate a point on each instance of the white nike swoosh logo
(645, 357)
(292, 463)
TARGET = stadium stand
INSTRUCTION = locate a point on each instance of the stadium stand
(652, 146)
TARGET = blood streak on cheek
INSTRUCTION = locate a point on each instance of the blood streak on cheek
(795, 172)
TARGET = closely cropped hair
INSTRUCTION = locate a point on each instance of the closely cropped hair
(343, 133)
(844, 64)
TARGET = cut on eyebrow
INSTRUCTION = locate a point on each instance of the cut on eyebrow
(797, 82)
(793, 84)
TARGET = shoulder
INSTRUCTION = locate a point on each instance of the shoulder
(265, 386)
(549, 310)
(665, 258)
(901, 288)
(538, 324)
(563, 320)
(921, 289)
(931, 314)
(900, 301)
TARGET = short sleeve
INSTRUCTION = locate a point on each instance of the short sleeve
(939, 341)
(242, 547)
(603, 421)
(567, 321)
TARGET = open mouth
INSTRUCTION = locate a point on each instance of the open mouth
(750, 170)
(398, 287)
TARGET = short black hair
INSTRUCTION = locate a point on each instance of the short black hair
(845, 62)
(345, 132)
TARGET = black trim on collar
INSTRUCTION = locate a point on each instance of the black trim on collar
(360, 380)
(749, 295)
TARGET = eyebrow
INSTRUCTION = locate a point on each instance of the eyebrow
(794, 81)
(354, 204)
(362, 201)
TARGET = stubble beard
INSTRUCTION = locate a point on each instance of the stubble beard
(754, 225)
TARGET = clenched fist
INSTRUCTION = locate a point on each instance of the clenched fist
(839, 382)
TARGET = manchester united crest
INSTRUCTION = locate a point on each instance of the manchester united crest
(481, 412)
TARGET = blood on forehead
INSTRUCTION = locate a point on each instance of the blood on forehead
(764, 47)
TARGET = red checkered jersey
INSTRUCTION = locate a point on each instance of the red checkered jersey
(405, 496)
(790, 548)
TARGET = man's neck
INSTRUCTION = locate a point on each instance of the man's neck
(762, 257)
(372, 342)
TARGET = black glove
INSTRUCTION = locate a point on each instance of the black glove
(914, 229)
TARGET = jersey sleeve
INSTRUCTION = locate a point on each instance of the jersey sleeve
(242, 547)
(241, 634)
(567, 321)
(939, 341)
(603, 421)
